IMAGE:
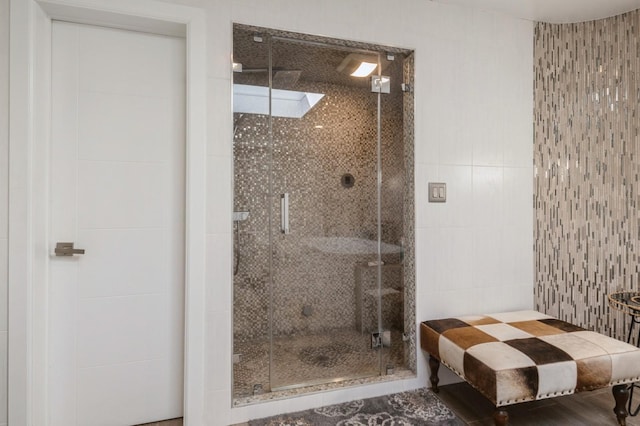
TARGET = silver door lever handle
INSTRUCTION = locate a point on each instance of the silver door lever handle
(66, 249)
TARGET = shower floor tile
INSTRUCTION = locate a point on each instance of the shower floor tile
(312, 359)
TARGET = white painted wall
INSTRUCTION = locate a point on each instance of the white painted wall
(474, 103)
(4, 208)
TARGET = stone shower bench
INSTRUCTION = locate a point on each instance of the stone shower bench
(515, 357)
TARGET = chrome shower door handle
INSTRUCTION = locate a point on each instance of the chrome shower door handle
(284, 213)
(66, 249)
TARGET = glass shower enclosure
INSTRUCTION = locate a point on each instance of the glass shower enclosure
(321, 220)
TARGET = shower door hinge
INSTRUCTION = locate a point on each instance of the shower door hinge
(381, 339)
(406, 87)
(380, 84)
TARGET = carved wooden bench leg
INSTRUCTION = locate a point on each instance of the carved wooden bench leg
(501, 417)
(434, 366)
(621, 395)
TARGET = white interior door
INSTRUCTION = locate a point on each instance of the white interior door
(117, 167)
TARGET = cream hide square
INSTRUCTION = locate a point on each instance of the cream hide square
(576, 347)
(503, 332)
(500, 356)
(519, 316)
(625, 367)
(452, 355)
(609, 345)
(557, 379)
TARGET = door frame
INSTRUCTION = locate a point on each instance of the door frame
(29, 128)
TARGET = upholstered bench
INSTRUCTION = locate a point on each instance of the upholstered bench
(515, 357)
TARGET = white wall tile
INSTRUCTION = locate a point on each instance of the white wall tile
(453, 22)
(487, 196)
(428, 305)
(4, 254)
(218, 350)
(219, 33)
(455, 260)
(219, 195)
(217, 407)
(335, 17)
(518, 265)
(456, 303)
(219, 270)
(517, 200)
(4, 117)
(219, 136)
(488, 263)
(427, 147)
(427, 214)
(427, 271)
(3, 377)
(458, 210)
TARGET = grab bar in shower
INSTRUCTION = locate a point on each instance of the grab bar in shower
(284, 213)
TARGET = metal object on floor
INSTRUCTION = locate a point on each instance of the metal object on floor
(258, 389)
(629, 302)
(381, 339)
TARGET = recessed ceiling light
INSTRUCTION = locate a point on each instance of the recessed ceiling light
(365, 69)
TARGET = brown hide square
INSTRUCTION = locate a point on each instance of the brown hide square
(536, 328)
(468, 336)
(593, 373)
(429, 340)
(539, 351)
(561, 325)
(516, 385)
(442, 325)
(481, 321)
(480, 376)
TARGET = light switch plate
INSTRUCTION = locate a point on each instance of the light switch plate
(437, 192)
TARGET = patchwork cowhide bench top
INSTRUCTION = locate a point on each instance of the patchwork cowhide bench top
(515, 357)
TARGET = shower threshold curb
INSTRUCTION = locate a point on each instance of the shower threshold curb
(400, 374)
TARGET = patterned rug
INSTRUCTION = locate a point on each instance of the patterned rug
(418, 407)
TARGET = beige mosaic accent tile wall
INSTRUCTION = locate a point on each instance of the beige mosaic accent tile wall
(587, 168)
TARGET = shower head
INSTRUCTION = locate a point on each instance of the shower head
(282, 78)
(285, 78)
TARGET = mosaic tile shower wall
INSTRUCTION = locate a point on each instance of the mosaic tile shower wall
(587, 168)
(308, 164)
(409, 215)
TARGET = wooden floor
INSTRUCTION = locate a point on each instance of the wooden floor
(586, 408)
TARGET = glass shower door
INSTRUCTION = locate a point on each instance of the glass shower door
(396, 216)
(324, 209)
(251, 216)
